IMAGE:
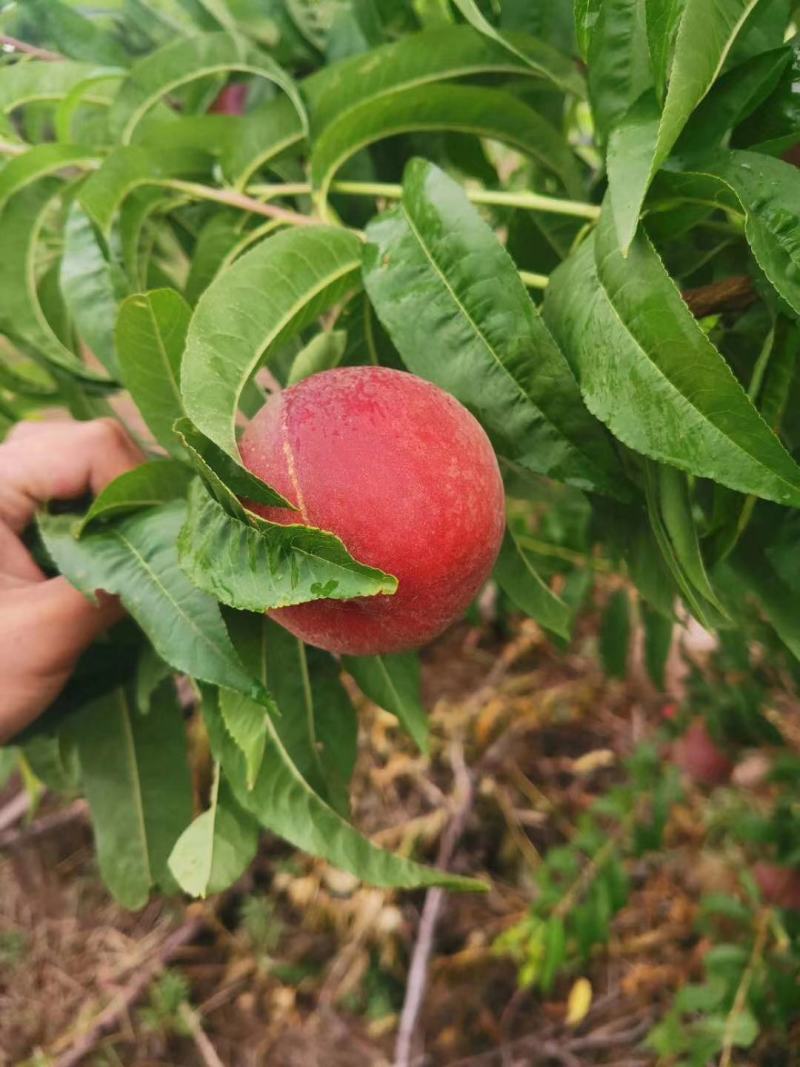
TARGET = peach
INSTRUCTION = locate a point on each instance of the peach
(698, 755)
(230, 100)
(778, 885)
(405, 476)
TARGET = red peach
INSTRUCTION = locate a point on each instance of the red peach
(699, 756)
(230, 100)
(405, 476)
(778, 885)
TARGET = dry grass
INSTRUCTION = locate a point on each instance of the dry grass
(313, 972)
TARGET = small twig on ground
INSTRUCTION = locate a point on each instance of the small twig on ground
(14, 810)
(13, 838)
(136, 987)
(208, 1054)
(14, 45)
(464, 797)
(431, 910)
(542, 1046)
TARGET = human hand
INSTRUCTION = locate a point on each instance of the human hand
(45, 623)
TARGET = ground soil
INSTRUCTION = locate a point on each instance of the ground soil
(314, 971)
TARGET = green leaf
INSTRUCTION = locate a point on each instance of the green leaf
(147, 486)
(37, 162)
(39, 80)
(367, 341)
(89, 288)
(652, 375)
(756, 576)
(151, 671)
(85, 98)
(670, 511)
(214, 242)
(185, 60)
(420, 59)
(486, 112)
(555, 952)
(773, 125)
(257, 565)
(617, 58)
(150, 337)
(773, 397)
(51, 760)
(8, 764)
(215, 134)
(434, 55)
(321, 353)
(517, 577)
(585, 16)
(452, 301)
(131, 167)
(631, 148)
(766, 27)
(645, 139)
(136, 778)
(657, 643)
(262, 137)
(740, 1030)
(615, 635)
(475, 17)
(217, 847)
(317, 725)
(245, 721)
(732, 99)
(21, 316)
(73, 34)
(226, 479)
(393, 683)
(663, 20)
(284, 802)
(767, 190)
(267, 296)
(228, 482)
(137, 559)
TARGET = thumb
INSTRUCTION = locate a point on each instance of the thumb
(44, 628)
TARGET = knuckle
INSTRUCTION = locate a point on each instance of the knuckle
(109, 431)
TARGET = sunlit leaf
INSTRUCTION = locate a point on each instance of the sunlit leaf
(216, 848)
(453, 303)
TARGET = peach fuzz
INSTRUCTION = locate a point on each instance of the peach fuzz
(405, 476)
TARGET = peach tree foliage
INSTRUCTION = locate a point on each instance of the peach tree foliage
(508, 200)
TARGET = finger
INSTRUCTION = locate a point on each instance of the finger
(16, 562)
(59, 461)
(43, 630)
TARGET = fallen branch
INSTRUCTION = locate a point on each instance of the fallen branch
(431, 910)
(13, 838)
(542, 1047)
(13, 811)
(464, 798)
(108, 1018)
(208, 1054)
